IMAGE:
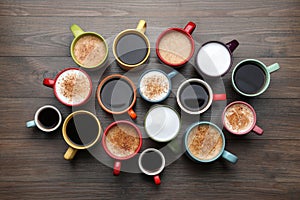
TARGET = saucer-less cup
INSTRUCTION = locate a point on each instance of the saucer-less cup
(205, 142)
(81, 130)
(175, 46)
(71, 86)
(251, 77)
(47, 118)
(239, 118)
(116, 94)
(152, 162)
(195, 96)
(214, 58)
(155, 85)
(88, 49)
(131, 47)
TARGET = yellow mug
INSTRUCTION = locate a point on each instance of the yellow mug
(131, 47)
(81, 130)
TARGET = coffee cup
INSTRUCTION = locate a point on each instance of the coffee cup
(81, 130)
(152, 162)
(162, 123)
(131, 47)
(155, 85)
(239, 118)
(72, 86)
(88, 49)
(47, 118)
(251, 77)
(195, 96)
(121, 141)
(175, 46)
(214, 58)
(116, 94)
(205, 142)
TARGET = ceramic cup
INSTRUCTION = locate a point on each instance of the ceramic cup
(81, 130)
(131, 47)
(175, 46)
(72, 86)
(251, 77)
(155, 85)
(88, 49)
(47, 118)
(205, 142)
(195, 96)
(116, 94)
(239, 118)
(214, 58)
(152, 162)
(121, 141)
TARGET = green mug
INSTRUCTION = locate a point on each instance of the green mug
(251, 77)
(88, 49)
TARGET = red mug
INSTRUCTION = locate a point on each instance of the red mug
(175, 46)
(72, 86)
(121, 140)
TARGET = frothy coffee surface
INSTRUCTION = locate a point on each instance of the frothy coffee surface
(89, 50)
(73, 87)
(154, 85)
(239, 118)
(122, 140)
(175, 47)
(205, 142)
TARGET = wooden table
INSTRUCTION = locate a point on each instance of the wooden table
(35, 40)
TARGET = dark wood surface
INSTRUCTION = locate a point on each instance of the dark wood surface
(35, 40)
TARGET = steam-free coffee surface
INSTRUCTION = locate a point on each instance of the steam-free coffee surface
(116, 95)
(249, 78)
(82, 129)
(151, 161)
(48, 117)
(194, 97)
(131, 49)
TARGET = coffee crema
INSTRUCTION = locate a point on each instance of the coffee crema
(238, 118)
(205, 142)
(175, 47)
(89, 50)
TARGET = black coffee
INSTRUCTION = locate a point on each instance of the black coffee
(116, 95)
(194, 97)
(82, 129)
(131, 49)
(151, 161)
(48, 118)
(249, 78)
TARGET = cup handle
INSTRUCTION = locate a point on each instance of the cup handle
(229, 157)
(70, 153)
(30, 124)
(157, 180)
(117, 168)
(142, 25)
(219, 97)
(232, 45)
(190, 27)
(258, 130)
(131, 113)
(76, 30)
(49, 82)
(272, 68)
(172, 74)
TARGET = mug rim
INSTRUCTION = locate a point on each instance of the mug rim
(89, 33)
(116, 123)
(162, 164)
(181, 30)
(230, 53)
(187, 133)
(210, 94)
(42, 127)
(243, 132)
(107, 79)
(66, 137)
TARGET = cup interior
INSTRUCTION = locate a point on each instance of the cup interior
(48, 118)
(151, 161)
